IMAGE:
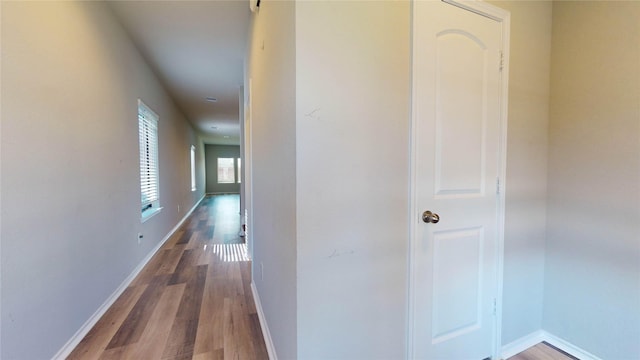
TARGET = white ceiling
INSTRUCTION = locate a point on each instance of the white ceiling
(197, 48)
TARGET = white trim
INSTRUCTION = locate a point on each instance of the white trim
(521, 344)
(248, 172)
(569, 347)
(536, 337)
(504, 17)
(480, 7)
(413, 207)
(271, 349)
(148, 214)
(91, 322)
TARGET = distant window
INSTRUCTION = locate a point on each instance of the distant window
(193, 168)
(239, 170)
(226, 171)
(149, 176)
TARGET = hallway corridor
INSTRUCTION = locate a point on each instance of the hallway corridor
(191, 301)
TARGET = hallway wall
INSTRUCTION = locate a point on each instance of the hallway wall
(352, 143)
(592, 279)
(270, 77)
(70, 191)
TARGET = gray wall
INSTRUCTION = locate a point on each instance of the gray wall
(212, 153)
(592, 274)
(70, 169)
(271, 78)
(352, 217)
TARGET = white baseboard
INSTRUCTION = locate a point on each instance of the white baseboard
(271, 350)
(91, 322)
(539, 336)
(569, 347)
(522, 344)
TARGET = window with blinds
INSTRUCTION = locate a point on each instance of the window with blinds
(193, 168)
(149, 178)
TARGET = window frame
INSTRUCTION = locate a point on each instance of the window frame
(232, 172)
(239, 170)
(148, 125)
(193, 168)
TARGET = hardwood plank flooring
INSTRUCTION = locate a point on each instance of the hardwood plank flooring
(191, 301)
(542, 351)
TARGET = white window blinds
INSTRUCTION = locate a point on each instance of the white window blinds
(193, 168)
(149, 179)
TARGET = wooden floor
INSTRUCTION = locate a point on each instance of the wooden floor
(542, 351)
(192, 300)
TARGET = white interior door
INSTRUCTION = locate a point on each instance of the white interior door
(456, 165)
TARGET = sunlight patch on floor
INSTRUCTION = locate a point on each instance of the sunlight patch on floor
(231, 252)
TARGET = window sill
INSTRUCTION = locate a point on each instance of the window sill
(148, 214)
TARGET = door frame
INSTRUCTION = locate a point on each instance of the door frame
(247, 167)
(504, 18)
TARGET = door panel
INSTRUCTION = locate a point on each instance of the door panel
(457, 255)
(460, 66)
(456, 99)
